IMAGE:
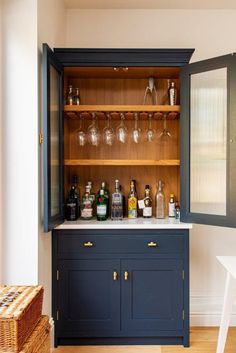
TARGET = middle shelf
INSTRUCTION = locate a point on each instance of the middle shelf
(122, 162)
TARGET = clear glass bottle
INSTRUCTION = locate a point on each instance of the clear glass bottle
(92, 194)
(172, 206)
(117, 203)
(132, 201)
(160, 201)
(102, 206)
(70, 96)
(87, 205)
(172, 94)
(147, 210)
(76, 98)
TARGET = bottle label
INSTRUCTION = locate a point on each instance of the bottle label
(116, 198)
(141, 204)
(101, 210)
(87, 213)
(147, 212)
(171, 209)
(132, 203)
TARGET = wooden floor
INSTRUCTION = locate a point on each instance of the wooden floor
(202, 340)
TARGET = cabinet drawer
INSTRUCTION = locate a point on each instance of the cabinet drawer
(125, 243)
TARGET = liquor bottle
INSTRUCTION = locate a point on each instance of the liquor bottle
(160, 201)
(132, 201)
(106, 194)
(147, 210)
(76, 98)
(87, 205)
(92, 194)
(171, 206)
(172, 93)
(72, 209)
(77, 191)
(177, 210)
(70, 96)
(117, 203)
(102, 206)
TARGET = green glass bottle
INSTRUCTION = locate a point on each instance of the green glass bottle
(102, 206)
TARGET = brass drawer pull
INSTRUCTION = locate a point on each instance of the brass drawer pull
(88, 244)
(126, 275)
(115, 276)
(152, 244)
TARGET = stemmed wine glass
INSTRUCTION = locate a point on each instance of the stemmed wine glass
(136, 131)
(93, 131)
(165, 132)
(121, 130)
(80, 133)
(108, 132)
(150, 133)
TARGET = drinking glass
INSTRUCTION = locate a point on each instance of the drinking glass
(136, 131)
(150, 133)
(81, 134)
(108, 132)
(93, 131)
(121, 130)
(165, 134)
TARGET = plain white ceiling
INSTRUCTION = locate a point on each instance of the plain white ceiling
(150, 4)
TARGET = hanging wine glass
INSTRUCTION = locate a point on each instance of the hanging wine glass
(165, 134)
(150, 133)
(80, 133)
(121, 130)
(136, 131)
(108, 132)
(93, 131)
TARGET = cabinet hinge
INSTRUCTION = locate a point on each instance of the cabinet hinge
(57, 315)
(183, 314)
(40, 138)
(183, 274)
(58, 275)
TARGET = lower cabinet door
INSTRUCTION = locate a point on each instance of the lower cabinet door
(88, 297)
(152, 296)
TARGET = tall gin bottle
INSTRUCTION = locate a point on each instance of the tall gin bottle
(160, 201)
(117, 203)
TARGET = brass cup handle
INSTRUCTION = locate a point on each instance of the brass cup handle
(152, 244)
(88, 244)
(115, 276)
(126, 275)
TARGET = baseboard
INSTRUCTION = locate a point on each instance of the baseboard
(206, 309)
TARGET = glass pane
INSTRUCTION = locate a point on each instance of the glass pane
(54, 131)
(208, 124)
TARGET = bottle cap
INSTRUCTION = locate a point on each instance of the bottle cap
(147, 187)
(171, 195)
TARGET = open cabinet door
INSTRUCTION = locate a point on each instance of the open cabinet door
(208, 142)
(53, 139)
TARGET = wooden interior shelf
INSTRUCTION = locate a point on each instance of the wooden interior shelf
(171, 112)
(122, 162)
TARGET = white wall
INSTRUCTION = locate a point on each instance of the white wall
(211, 34)
(19, 142)
(51, 30)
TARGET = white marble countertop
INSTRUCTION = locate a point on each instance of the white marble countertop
(139, 223)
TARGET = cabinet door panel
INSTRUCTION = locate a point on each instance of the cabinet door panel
(208, 145)
(152, 295)
(89, 297)
(53, 139)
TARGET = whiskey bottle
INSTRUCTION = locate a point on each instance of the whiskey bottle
(172, 206)
(102, 206)
(147, 210)
(76, 98)
(70, 96)
(117, 203)
(87, 205)
(72, 204)
(160, 201)
(132, 201)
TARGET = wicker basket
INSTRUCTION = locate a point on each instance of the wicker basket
(39, 340)
(20, 310)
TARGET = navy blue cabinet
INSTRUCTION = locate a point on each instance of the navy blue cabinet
(132, 290)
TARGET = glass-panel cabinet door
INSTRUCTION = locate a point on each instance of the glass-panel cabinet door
(207, 141)
(53, 139)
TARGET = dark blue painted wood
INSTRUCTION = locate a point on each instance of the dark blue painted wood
(88, 297)
(229, 62)
(49, 61)
(149, 305)
(123, 57)
(152, 297)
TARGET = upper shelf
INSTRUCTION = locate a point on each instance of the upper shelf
(171, 112)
